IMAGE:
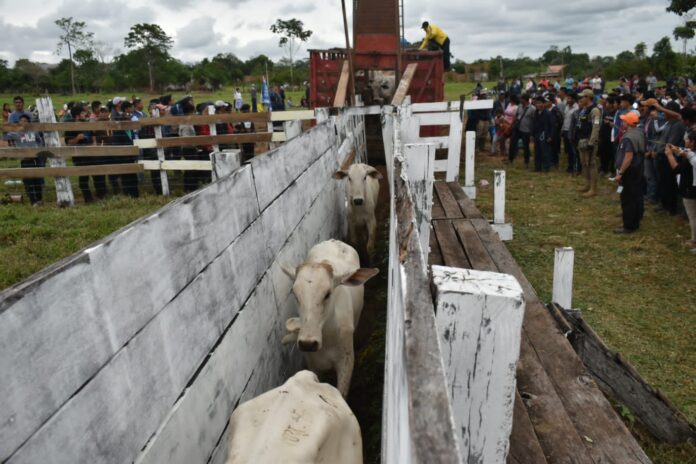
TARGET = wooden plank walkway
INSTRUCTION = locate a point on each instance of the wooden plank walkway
(560, 415)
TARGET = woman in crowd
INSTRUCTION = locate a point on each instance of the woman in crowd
(683, 162)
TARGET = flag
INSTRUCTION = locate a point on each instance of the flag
(265, 96)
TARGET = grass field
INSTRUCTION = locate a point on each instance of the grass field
(636, 291)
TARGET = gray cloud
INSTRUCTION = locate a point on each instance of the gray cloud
(477, 28)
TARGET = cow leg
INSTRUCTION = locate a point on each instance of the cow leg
(344, 366)
(371, 234)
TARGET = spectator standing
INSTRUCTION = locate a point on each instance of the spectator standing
(588, 125)
(629, 173)
(254, 101)
(6, 110)
(237, 100)
(606, 149)
(34, 186)
(81, 138)
(651, 82)
(568, 133)
(246, 127)
(521, 130)
(543, 135)
(18, 111)
(683, 162)
(672, 134)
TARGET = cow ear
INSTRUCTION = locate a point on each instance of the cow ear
(340, 174)
(289, 271)
(374, 173)
(360, 276)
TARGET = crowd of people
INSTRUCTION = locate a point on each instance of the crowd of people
(640, 135)
(133, 109)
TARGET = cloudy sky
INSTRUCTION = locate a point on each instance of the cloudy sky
(477, 28)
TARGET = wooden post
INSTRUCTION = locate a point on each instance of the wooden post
(225, 162)
(64, 193)
(499, 197)
(469, 186)
(563, 277)
(420, 166)
(455, 147)
(212, 127)
(479, 322)
(160, 156)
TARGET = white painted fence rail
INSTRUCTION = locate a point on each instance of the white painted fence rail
(479, 323)
(138, 348)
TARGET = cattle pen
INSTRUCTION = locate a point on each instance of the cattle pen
(139, 347)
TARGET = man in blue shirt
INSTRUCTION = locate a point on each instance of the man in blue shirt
(18, 112)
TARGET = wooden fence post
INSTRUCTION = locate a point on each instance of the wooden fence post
(160, 156)
(64, 193)
(225, 162)
(469, 186)
(420, 166)
(479, 323)
(563, 277)
(212, 127)
(503, 229)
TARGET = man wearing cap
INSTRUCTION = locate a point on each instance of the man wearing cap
(587, 130)
(629, 173)
(436, 39)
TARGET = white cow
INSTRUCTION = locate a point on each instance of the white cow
(362, 195)
(300, 422)
(329, 289)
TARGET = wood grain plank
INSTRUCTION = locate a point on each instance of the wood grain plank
(451, 250)
(524, 445)
(404, 84)
(70, 151)
(342, 88)
(277, 169)
(435, 256)
(97, 169)
(449, 204)
(213, 139)
(466, 205)
(437, 212)
(473, 246)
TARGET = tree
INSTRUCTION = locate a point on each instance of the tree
(153, 41)
(291, 31)
(640, 50)
(664, 57)
(685, 32)
(74, 35)
(681, 6)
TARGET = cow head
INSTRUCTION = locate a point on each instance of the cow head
(357, 176)
(314, 288)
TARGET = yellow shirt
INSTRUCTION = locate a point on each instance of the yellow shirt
(434, 33)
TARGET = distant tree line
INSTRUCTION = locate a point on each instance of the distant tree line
(663, 60)
(146, 64)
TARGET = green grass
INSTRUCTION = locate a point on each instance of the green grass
(34, 237)
(636, 291)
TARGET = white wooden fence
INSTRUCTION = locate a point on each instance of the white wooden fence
(448, 396)
(138, 348)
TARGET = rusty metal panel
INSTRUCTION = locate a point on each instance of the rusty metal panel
(376, 17)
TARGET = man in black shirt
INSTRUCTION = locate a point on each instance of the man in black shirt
(672, 133)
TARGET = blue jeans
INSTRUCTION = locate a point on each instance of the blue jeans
(574, 164)
(650, 173)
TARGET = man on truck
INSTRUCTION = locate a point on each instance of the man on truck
(436, 39)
